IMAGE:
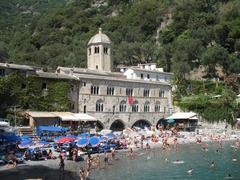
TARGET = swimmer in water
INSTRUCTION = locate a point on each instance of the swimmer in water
(212, 165)
(190, 171)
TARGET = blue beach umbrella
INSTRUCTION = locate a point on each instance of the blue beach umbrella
(94, 141)
(42, 143)
(84, 135)
(83, 142)
(25, 144)
(170, 120)
(71, 136)
(110, 136)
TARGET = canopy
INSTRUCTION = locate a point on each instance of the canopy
(25, 144)
(83, 142)
(183, 115)
(84, 117)
(94, 141)
(40, 129)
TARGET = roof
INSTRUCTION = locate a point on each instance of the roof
(184, 115)
(148, 70)
(55, 75)
(18, 66)
(82, 73)
(99, 38)
(38, 114)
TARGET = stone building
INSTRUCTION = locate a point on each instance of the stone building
(135, 96)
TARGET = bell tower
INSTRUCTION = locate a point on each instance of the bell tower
(99, 51)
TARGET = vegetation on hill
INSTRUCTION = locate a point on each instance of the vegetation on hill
(19, 93)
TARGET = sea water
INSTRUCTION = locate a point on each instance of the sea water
(158, 164)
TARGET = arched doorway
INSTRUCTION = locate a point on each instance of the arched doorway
(117, 125)
(142, 124)
(162, 123)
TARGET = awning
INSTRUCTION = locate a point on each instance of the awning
(84, 117)
(183, 115)
(66, 116)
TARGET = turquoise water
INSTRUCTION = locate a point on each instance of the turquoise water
(153, 165)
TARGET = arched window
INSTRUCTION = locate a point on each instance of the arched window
(135, 106)
(99, 105)
(146, 106)
(122, 106)
(105, 50)
(157, 107)
(96, 50)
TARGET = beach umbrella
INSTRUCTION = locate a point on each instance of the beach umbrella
(83, 142)
(94, 141)
(71, 136)
(170, 120)
(25, 144)
(42, 144)
(110, 136)
(65, 139)
(85, 135)
(57, 138)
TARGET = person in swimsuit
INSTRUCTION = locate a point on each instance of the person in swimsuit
(105, 158)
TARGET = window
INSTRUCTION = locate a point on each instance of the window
(110, 91)
(161, 93)
(129, 91)
(146, 92)
(94, 90)
(157, 107)
(72, 106)
(89, 51)
(84, 109)
(72, 87)
(157, 77)
(123, 106)
(146, 107)
(96, 66)
(141, 76)
(96, 50)
(148, 76)
(105, 50)
(2, 72)
(99, 105)
(44, 86)
(84, 83)
(135, 106)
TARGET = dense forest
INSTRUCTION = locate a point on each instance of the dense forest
(179, 35)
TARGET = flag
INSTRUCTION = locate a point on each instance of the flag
(130, 100)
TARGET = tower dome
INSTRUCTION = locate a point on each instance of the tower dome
(99, 50)
(99, 38)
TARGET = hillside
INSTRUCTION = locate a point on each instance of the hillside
(178, 35)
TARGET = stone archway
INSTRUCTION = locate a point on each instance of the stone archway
(161, 122)
(142, 123)
(117, 125)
